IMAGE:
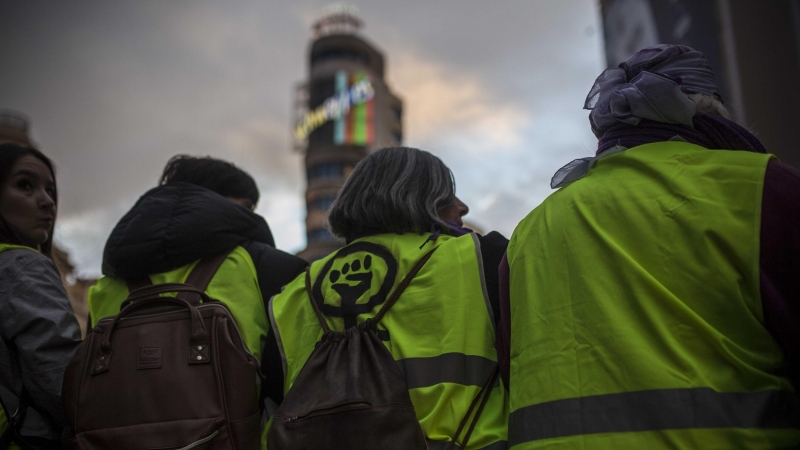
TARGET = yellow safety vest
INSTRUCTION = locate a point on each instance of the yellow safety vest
(235, 283)
(636, 318)
(440, 331)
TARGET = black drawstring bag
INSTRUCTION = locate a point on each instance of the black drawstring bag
(351, 393)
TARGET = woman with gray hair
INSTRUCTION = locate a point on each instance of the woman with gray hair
(401, 219)
(397, 190)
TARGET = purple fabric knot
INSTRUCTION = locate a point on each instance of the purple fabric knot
(652, 84)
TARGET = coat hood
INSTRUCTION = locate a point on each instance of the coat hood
(175, 224)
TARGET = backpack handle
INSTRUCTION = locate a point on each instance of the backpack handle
(199, 339)
(156, 289)
(198, 278)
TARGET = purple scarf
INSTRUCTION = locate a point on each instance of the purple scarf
(710, 131)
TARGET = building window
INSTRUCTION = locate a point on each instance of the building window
(321, 234)
(326, 170)
(323, 203)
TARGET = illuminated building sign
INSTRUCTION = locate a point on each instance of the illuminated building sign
(351, 109)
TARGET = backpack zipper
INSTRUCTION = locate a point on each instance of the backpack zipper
(332, 410)
(139, 316)
(235, 325)
(249, 356)
(196, 444)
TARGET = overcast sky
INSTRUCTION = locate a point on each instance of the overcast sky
(113, 89)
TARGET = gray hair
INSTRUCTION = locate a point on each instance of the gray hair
(708, 104)
(394, 190)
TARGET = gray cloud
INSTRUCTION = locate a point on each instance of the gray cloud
(114, 90)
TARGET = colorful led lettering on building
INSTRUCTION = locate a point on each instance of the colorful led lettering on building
(351, 109)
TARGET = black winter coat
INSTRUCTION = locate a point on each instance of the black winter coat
(175, 224)
(178, 223)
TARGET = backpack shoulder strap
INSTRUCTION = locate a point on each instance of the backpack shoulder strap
(483, 396)
(317, 312)
(203, 272)
(401, 288)
(137, 283)
(200, 276)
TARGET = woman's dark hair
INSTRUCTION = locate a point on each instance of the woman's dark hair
(394, 190)
(219, 176)
(9, 154)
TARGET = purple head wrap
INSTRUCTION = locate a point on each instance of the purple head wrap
(652, 84)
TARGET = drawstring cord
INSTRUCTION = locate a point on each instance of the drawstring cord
(435, 232)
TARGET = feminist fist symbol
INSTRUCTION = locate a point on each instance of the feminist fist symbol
(350, 293)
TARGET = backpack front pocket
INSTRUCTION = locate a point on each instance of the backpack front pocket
(192, 434)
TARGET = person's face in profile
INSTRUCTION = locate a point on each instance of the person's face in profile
(454, 211)
(27, 199)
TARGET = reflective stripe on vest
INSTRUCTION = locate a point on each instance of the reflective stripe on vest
(636, 318)
(663, 409)
(235, 284)
(440, 331)
(469, 370)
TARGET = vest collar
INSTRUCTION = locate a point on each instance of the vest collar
(579, 168)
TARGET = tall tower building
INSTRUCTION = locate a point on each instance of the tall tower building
(343, 112)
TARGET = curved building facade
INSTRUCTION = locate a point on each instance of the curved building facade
(344, 111)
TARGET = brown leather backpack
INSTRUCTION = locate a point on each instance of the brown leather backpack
(350, 394)
(165, 373)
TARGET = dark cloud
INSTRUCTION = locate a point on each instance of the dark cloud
(116, 88)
